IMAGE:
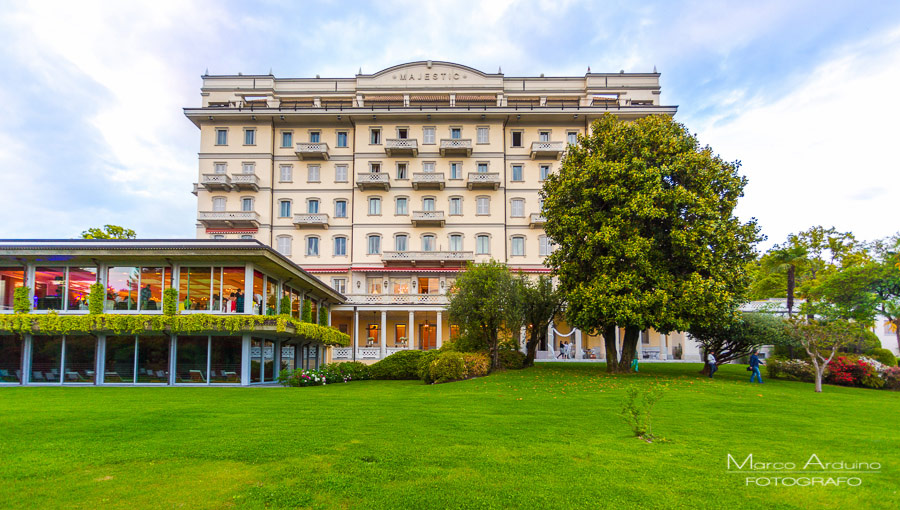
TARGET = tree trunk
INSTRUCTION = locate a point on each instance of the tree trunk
(790, 289)
(629, 347)
(531, 347)
(820, 372)
(612, 350)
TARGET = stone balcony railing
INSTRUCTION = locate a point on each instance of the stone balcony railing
(373, 180)
(312, 150)
(547, 149)
(443, 258)
(483, 180)
(229, 219)
(536, 220)
(215, 182)
(397, 299)
(319, 220)
(401, 147)
(428, 180)
(456, 146)
(428, 218)
(245, 182)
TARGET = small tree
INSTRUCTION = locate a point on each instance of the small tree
(822, 339)
(538, 303)
(108, 232)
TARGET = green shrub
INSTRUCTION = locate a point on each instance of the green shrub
(95, 299)
(285, 306)
(510, 359)
(425, 361)
(478, 364)
(170, 302)
(891, 376)
(306, 315)
(323, 316)
(793, 369)
(21, 303)
(400, 365)
(885, 356)
(357, 371)
(449, 366)
(637, 410)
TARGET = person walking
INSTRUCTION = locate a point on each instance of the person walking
(561, 347)
(711, 359)
(754, 366)
(634, 364)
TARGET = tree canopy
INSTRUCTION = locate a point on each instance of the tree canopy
(739, 337)
(646, 235)
(539, 302)
(108, 232)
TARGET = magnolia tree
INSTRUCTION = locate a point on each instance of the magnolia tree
(822, 339)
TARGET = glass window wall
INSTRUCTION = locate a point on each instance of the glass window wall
(153, 359)
(122, 285)
(194, 288)
(258, 283)
(10, 279)
(119, 367)
(79, 358)
(271, 297)
(225, 360)
(49, 288)
(10, 359)
(46, 359)
(190, 365)
(268, 361)
(80, 281)
(255, 360)
(295, 303)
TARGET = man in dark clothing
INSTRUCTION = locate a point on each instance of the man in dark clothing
(754, 366)
(239, 302)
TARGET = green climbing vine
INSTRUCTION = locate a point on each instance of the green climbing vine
(95, 299)
(170, 301)
(306, 316)
(54, 323)
(285, 306)
(21, 303)
(323, 316)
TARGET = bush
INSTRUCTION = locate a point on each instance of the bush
(353, 370)
(300, 378)
(637, 410)
(285, 306)
(424, 368)
(478, 364)
(850, 371)
(891, 376)
(449, 366)
(170, 301)
(306, 312)
(793, 369)
(323, 316)
(884, 356)
(95, 298)
(21, 303)
(400, 365)
(511, 359)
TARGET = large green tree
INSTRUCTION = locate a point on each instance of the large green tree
(108, 232)
(539, 302)
(643, 219)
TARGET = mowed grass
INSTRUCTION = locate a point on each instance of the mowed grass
(547, 437)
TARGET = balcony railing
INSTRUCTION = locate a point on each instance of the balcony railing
(215, 182)
(229, 219)
(536, 220)
(547, 149)
(456, 146)
(428, 218)
(373, 180)
(401, 147)
(444, 258)
(245, 182)
(319, 220)
(312, 150)
(483, 180)
(397, 299)
(428, 180)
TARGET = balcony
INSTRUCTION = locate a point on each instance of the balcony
(229, 219)
(215, 182)
(483, 180)
(428, 180)
(456, 146)
(312, 150)
(536, 220)
(245, 182)
(315, 220)
(453, 258)
(373, 180)
(397, 299)
(428, 218)
(401, 147)
(552, 150)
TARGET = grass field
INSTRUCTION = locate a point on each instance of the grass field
(547, 437)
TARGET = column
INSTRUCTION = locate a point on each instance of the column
(245, 360)
(329, 314)
(411, 330)
(640, 346)
(578, 354)
(383, 335)
(551, 341)
(208, 359)
(618, 346)
(277, 359)
(355, 335)
(173, 358)
(100, 360)
(248, 290)
(663, 346)
(440, 328)
(26, 360)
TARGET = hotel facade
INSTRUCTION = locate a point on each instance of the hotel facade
(385, 185)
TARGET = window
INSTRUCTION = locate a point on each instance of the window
(374, 245)
(482, 168)
(428, 242)
(314, 137)
(375, 136)
(401, 242)
(340, 173)
(312, 246)
(249, 137)
(221, 136)
(517, 249)
(516, 138)
(312, 172)
(340, 208)
(246, 236)
(312, 206)
(517, 208)
(428, 204)
(375, 167)
(373, 285)
(248, 168)
(402, 208)
(482, 206)
(572, 137)
(220, 168)
(482, 135)
(482, 245)
(428, 166)
(517, 174)
(402, 133)
(218, 236)
(340, 246)
(374, 206)
(456, 170)
(218, 204)
(429, 285)
(455, 206)
(287, 138)
(339, 284)
(543, 246)
(284, 245)
(428, 136)
(400, 286)
(544, 136)
(401, 171)
(284, 208)
(455, 133)
(286, 173)
(456, 242)
(545, 172)
(246, 204)
(341, 138)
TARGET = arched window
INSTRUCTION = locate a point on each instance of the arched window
(374, 244)
(283, 244)
(428, 242)
(517, 246)
(312, 246)
(482, 244)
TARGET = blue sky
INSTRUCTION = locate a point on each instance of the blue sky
(91, 128)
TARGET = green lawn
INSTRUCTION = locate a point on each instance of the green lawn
(548, 437)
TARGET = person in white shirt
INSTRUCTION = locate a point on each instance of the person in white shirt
(711, 359)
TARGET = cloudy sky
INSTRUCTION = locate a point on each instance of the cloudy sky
(803, 93)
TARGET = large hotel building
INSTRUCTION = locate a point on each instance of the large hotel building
(385, 185)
